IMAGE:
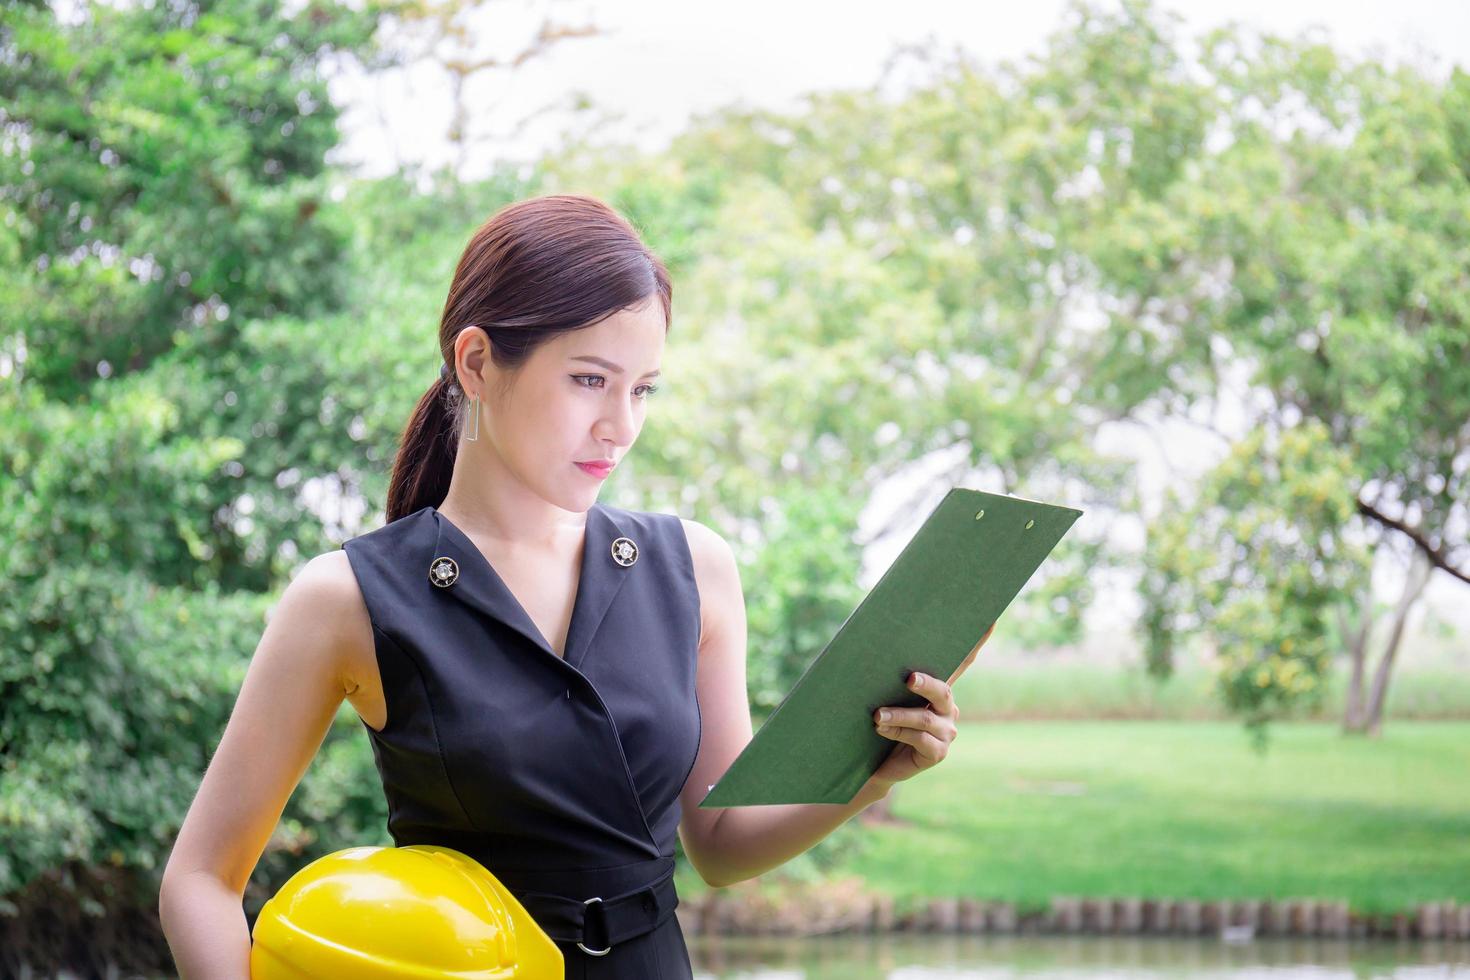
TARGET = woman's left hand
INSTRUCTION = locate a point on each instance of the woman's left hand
(923, 734)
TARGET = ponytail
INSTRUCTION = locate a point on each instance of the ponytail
(426, 453)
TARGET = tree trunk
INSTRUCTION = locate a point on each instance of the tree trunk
(1420, 569)
(1352, 719)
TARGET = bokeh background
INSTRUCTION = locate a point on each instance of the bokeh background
(1202, 271)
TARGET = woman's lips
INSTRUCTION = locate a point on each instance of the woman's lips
(598, 471)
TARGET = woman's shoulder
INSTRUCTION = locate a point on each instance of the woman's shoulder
(716, 577)
(327, 586)
(327, 578)
(705, 544)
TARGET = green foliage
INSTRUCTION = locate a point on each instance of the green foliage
(799, 588)
(111, 685)
(115, 686)
(163, 176)
(162, 183)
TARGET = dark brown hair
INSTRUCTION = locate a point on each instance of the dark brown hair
(536, 268)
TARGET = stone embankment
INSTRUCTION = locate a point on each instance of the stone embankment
(844, 907)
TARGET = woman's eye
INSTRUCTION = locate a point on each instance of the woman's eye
(583, 378)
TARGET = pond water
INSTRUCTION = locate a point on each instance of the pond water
(960, 957)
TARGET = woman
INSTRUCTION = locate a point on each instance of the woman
(549, 684)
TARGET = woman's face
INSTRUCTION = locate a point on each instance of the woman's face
(582, 396)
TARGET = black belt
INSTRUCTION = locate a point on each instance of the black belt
(597, 922)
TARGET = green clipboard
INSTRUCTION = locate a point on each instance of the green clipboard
(951, 582)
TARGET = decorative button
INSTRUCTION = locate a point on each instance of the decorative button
(624, 551)
(443, 571)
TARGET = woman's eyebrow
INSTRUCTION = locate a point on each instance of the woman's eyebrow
(615, 369)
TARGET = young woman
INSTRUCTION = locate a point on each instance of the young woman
(550, 684)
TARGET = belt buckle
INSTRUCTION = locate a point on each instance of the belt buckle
(593, 952)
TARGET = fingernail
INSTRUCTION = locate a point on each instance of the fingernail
(883, 715)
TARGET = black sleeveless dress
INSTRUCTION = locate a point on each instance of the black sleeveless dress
(561, 776)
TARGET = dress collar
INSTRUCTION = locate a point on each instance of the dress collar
(481, 587)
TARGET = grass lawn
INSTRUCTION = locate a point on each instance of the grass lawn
(1025, 810)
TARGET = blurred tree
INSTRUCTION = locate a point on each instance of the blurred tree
(161, 186)
(1257, 561)
(1145, 223)
(1331, 229)
(997, 264)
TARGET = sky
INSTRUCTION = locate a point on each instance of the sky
(662, 62)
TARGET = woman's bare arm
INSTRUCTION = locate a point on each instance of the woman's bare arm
(293, 688)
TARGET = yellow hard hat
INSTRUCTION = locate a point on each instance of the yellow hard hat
(389, 913)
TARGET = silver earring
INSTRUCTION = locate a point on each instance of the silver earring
(474, 434)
